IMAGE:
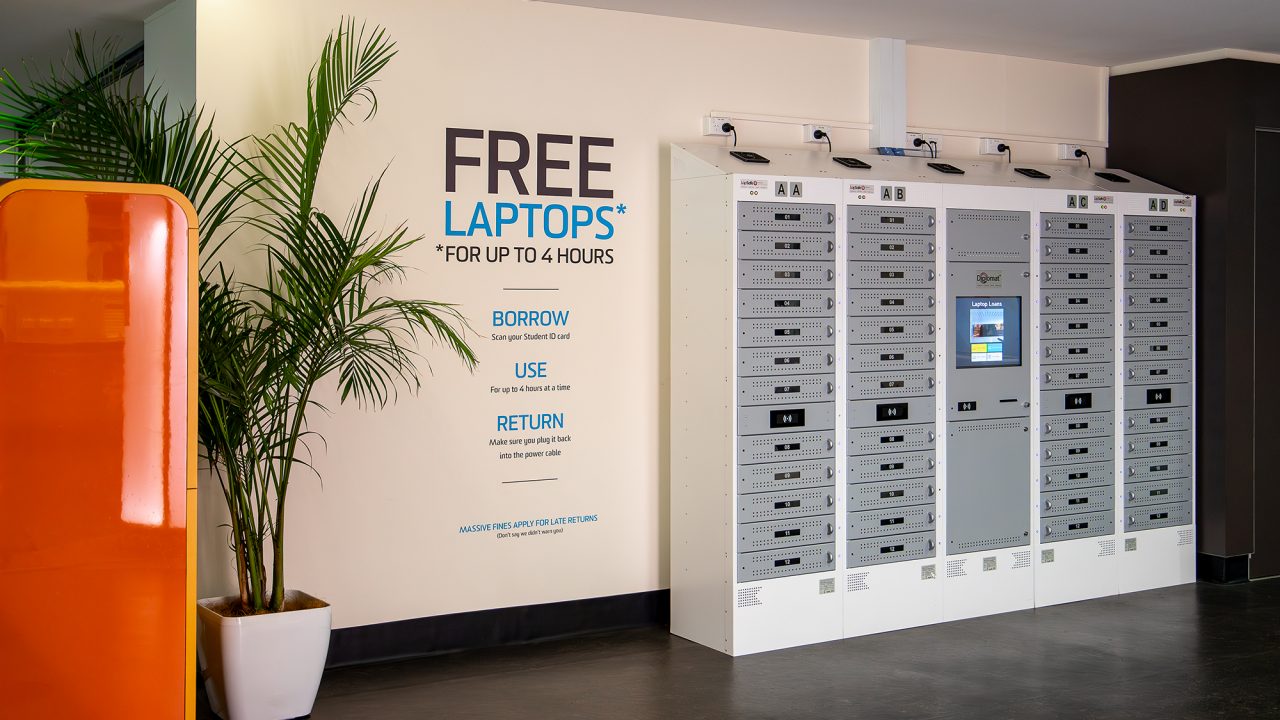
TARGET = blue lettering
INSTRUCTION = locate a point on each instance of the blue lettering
(529, 421)
(600, 217)
(448, 220)
(564, 221)
(503, 218)
(581, 218)
(480, 220)
(531, 369)
(531, 207)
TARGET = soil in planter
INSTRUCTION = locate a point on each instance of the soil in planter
(230, 606)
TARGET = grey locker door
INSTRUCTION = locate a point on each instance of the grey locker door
(988, 489)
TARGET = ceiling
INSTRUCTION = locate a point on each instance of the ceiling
(37, 30)
(1088, 32)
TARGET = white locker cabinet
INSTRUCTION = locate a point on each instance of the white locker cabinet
(901, 396)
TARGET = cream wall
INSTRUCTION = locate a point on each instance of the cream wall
(379, 539)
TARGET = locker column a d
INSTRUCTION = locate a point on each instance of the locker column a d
(890, 575)
(1075, 331)
(987, 449)
(1159, 391)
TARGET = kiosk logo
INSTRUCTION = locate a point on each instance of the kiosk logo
(987, 279)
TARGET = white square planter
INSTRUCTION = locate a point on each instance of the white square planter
(263, 667)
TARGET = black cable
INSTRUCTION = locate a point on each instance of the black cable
(728, 127)
(932, 147)
(821, 135)
(933, 144)
(1006, 149)
(1081, 153)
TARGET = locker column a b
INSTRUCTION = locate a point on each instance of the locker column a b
(890, 575)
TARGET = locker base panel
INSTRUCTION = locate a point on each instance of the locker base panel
(1073, 570)
(1157, 558)
(881, 598)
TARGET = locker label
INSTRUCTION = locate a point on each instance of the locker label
(891, 411)
(1159, 396)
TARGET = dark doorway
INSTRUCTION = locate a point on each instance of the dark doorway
(1266, 244)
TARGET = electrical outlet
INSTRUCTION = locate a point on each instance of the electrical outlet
(990, 146)
(1067, 151)
(935, 142)
(810, 129)
(714, 125)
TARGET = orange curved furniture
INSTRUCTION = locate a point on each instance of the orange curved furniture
(97, 451)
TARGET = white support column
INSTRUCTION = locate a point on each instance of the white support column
(169, 55)
(888, 64)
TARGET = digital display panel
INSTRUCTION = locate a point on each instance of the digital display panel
(988, 332)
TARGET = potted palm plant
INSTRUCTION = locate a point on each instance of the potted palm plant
(266, 345)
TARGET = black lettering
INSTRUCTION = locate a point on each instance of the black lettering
(585, 166)
(451, 157)
(497, 164)
(545, 164)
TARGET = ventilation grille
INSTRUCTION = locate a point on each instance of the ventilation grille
(1186, 536)
(1107, 548)
(1022, 559)
(858, 581)
(748, 597)
(955, 568)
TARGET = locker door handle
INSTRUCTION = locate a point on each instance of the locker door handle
(1048, 479)
(1132, 275)
(1132, 252)
(830, 359)
(930, 328)
(931, 354)
(830, 331)
(931, 221)
(1048, 275)
(1048, 351)
(1048, 454)
(830, 558)
(1048, 326)
(1132, 447)
(929, 490)
(931, 301)
(831, 444)
(1048, 377)
(831, 246)
(931, 436)
(830, 529)
(831, 275)
(1026, 236)
(931, 248)
(1130, 227)
(1048, 530)
(1048, 301)
(830, 501)
(931, 274)
(831, 303)
(931, 463)
(831, 388)
(1048, 249)
(1130, 519)
(931, 518)
(1130, 301)
(931, 544)
(1048, 224)
(1132, 471)
(1048, 428)
(1130, 349)
(931, 383)
(1132, 325)
(1048, 504)
(1133, 496)
(830, 218)
(1132, 374)
(1132, 422)
(831, 471)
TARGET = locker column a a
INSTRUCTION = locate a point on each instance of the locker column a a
(1159, 490)
(890, 575)
(786, 458)
(1076, 488)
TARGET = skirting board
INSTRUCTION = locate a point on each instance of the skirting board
(490, 628)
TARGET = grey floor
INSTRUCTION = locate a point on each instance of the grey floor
(1196, 651)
